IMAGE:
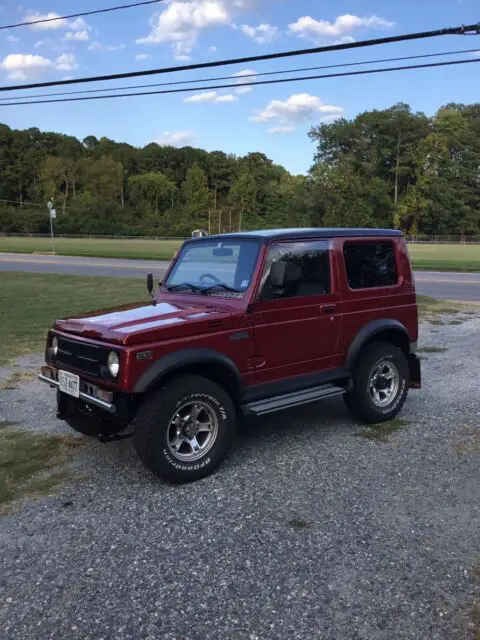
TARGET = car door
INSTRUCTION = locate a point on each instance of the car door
(297, 333)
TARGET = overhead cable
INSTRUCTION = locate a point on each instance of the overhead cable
(462, 30)
(248, 84)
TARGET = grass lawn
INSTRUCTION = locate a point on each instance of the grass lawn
(31, 302)
(95, 248)
(445, 257)
(31, 464)
(437, 257)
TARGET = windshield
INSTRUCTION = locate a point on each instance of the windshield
(222, 267)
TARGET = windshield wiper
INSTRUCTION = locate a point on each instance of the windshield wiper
(221, 285)
(189, 285)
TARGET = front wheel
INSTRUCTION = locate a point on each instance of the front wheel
(380, 383)
(184, 430)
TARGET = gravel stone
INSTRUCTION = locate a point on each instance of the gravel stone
(307, 531)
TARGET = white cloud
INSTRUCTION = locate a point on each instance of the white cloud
(211, 96)
(25, 66)
(180, 23)
(12, 39)
(320, 30)
(142, 56)
(66, 62)
(38, 44)
(262, 34)
(77, 36)
(79, 24)
(227, 98)
(297, 108)
(281, 129)
(98, 46)
(212, 49)
(245, 76)
(61, 23)
(176, 138)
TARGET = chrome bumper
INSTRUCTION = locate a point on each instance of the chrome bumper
(85, 397)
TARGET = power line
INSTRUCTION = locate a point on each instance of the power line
(249, 84)
(244, 76)
(29, 23)
(462, 30)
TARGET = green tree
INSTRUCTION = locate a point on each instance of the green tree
(243, 198)
(196, 198)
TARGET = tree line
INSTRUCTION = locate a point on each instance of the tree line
(388, 168)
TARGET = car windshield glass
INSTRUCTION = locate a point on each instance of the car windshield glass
(220, 267)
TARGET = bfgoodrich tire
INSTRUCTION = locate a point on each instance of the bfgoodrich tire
(380, 383)
(184, 430)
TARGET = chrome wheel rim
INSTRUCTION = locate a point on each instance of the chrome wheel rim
(192, 431)
(383, 384)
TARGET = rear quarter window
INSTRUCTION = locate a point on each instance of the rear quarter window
(370, 264)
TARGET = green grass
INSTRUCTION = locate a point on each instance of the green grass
(31, 302)
(428, 306)
(380, 432)
(441, 257)
(136, 249)
(432, 349)
(30, 463)
(445, 257)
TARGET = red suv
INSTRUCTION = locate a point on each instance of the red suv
(246, 323)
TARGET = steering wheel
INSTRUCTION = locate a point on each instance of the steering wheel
(209, 275)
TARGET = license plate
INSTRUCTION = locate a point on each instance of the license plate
(69, 383)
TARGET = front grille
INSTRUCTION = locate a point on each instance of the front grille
(84, 357)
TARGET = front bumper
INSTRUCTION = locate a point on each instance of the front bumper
(88, 392)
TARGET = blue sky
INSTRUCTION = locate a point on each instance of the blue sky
(272, 119)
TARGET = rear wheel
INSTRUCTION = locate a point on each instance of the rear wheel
(184, 430)
(380, 383)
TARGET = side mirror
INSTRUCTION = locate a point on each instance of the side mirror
(150, 283)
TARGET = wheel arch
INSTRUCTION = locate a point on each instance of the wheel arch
(383, 330)
(204, 362)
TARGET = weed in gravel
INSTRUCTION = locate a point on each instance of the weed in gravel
(31, 464)
(471, 446)
(432, 349)
(456, 322)
(16, 379)
(300, 523)
(381, 431)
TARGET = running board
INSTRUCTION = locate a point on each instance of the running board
(288, 400)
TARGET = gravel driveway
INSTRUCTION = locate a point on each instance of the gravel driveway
(308, 531)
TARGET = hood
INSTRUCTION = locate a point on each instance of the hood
(141, 323)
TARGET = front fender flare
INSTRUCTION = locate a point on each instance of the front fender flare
(181, 359)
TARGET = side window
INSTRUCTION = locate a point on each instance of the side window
(312, 262)
(370, 264)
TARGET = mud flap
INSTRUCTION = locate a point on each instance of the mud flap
(415, 371)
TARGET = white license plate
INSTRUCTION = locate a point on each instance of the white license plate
(69, 383)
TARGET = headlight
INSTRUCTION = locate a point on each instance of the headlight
(113, 364)
(54, 346)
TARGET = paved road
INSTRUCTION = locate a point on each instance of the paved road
(446, 286)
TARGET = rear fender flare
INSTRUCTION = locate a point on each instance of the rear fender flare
(178, 360)
(368, 332)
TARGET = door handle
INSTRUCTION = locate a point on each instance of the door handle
(329, 308)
